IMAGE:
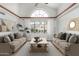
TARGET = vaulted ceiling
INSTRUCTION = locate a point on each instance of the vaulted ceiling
(26, 9)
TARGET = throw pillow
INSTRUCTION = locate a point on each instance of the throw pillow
(11, 36)
(1, 39)
(63, 36)
(17, 35)
(77, 39)
(73, 39)
(59, 35)
(68, 36)
(0, 28)
(54, 35)
(7, 39)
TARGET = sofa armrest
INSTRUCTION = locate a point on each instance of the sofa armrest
(23, 38)
(73, 49)
(74, 45)
(20, 38)
(5, 48)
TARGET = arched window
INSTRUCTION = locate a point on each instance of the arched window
(39, 26)
(39, 13)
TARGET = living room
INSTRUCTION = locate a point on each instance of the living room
(32, 29)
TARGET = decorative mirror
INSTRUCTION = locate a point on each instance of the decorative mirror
(72, 24)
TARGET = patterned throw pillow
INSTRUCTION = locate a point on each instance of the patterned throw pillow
(54, 35)
(1, 39)
(11, 36)
(63, 36)
(68, 36)
(59, 35)
(6, 39)
(18, 35)
(77, 39)
(73, 39)
(0, 28)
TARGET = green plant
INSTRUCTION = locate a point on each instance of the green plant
(36, 30)
(32, 30)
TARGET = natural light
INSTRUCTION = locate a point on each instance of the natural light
(37, 26)
(39, 13)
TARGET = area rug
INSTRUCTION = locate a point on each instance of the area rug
(25, 51)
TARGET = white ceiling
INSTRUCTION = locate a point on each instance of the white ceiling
(26, 9)
(50, 5)
(54, 5)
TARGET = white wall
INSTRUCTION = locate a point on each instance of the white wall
(63, 20)
(26, 12)
(9, 16)
(50, 25)
(51, 22)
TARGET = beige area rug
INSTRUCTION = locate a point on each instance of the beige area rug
(25, 51)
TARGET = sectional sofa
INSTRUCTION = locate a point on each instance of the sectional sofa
(67, 43)
(11, 43)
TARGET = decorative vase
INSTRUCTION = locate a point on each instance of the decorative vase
(36, 39)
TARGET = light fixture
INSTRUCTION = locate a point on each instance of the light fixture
(72, 24)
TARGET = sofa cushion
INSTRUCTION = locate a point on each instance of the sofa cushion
(18, 35)
(0, 28)
(64, 45)
(59, 35)
(63, 36)
(11, 36)
(1, 39)
(57, 41)
(17, 43)
(6, 39)
(68, 36)
(77, 39)
(73, 39)
(21, 39)
(54, 35)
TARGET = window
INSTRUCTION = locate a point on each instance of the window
(36, 26)
(39, 27)
(39, 13)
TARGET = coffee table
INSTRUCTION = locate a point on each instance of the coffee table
(40, 46)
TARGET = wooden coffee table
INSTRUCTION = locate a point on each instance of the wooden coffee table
(40, 46)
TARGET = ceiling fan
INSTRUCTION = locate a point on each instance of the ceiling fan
(36, 4)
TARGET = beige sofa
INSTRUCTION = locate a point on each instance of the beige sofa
(66, 48)
(7, 48)
(11, 47)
